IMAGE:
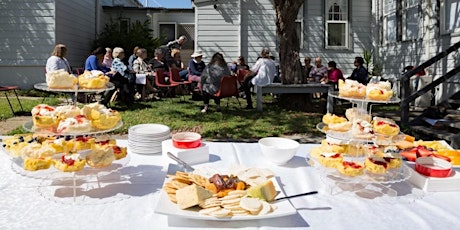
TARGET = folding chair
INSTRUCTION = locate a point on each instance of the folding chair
(161, 83)
(174, 78)
(5, 89)
(228, 88)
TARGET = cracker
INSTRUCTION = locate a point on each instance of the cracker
(221, 213)
(172, 197)
(208, 211)
(198, 179)
(251, 204)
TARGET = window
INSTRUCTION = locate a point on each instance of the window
(389, 21)
(168, 32)
(299, 26)
(336, 24)
(450, 11)
(124, 25)
(412, 20)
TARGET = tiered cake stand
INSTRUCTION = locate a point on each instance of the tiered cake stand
(375, 182)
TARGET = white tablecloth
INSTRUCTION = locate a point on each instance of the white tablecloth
(126, 198)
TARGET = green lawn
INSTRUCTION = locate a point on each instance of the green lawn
(183, 114)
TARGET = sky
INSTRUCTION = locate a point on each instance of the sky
(168, 3)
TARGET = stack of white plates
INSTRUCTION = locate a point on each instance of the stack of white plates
(147, 138)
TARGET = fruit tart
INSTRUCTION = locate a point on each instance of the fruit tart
(69, 163)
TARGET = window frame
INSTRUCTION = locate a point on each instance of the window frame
(327, 22)
(443, 14)
(167, 23)
(300, 20)
(385, 16)
(405, 8)
(128, 23)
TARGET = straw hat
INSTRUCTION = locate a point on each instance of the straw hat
(197, 54)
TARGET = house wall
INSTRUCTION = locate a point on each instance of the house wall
(395, 56)
(360, 34)
(29, 30)
(218, 30)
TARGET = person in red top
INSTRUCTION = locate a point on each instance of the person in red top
(334, 74)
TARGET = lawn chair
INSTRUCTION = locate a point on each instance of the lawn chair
(228, 88)
(174, 78)
(161, 83)
(5, 89)
(241, 73)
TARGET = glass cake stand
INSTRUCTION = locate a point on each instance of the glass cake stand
(29, 127)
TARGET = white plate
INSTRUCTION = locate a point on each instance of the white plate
(149, 129)
(166, 207)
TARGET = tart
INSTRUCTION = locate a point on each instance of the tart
(362, 129)
(351, 89)
(43, 116)
(60, 79)
(100, 156)
(356, 113)
(66, 111)
(69, 163)
(77, 124)
(385, 126)
(93, 79)
(330, 160)
(376, 165)
(350, 168)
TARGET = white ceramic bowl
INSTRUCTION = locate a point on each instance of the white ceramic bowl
(278, 150)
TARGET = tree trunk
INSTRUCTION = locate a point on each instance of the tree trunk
(289, 60)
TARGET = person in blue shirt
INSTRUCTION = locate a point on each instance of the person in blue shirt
(359, 74)
(94, 61)
(196, 66)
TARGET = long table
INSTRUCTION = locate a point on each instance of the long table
(126, 198)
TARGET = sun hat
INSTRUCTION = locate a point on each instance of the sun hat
(197, 54)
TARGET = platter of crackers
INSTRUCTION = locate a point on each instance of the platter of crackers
(194, 196)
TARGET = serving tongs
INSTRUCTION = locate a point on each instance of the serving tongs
(187, 167)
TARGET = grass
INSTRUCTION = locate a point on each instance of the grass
(183, 114)
(27, 104)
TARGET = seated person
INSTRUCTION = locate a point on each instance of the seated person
(123, 78)
(334, 74)
(318, 73)
(306, 69)
(141, 67)
(196, 66)
(360, 72)
(94, 61)
(158, 63)
(261, 74)
(176, 63)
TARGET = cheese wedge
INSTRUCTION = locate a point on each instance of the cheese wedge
(265, 191)
(191, 195)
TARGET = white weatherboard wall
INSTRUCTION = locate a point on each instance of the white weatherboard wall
(217, 30)
(29, 30)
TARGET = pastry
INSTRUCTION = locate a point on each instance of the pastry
(93, 79)
(119, 152)
(376, 165)
(37, 157)
(316, 152)
(392, 157)
(330, 160)
(350, 168)
(380, 91)
(77, 124)
(66, 111)
(331, 145)
(356, 113)
(385, 126)
(80, 143)
(340, 127)
(351, 89)
(69, 163)
(16, 143)
(60, 79)
(101, 117)
(100, 156)
(329, 118)
(362, 129)
(43, 116)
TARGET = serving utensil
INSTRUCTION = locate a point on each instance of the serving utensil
(297, 195)
(187, 167)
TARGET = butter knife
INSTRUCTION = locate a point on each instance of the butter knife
(178, 160)
(297, 195)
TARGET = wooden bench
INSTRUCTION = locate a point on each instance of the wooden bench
(278, 88)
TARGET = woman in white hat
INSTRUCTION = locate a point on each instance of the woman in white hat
(196, 66)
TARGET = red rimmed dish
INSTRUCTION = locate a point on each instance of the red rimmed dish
(433, 166)
(186, 140)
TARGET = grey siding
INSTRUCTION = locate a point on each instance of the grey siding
(218, 30)
(29, 30)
